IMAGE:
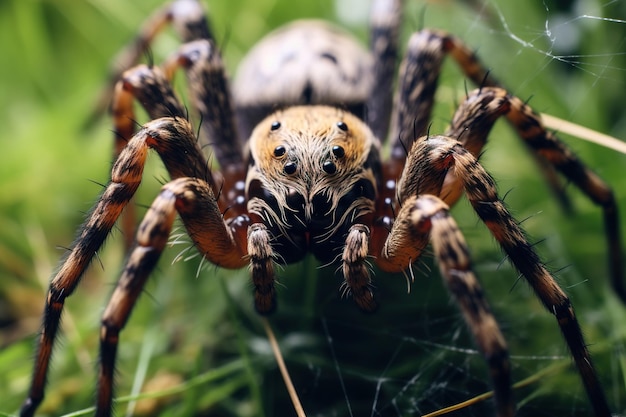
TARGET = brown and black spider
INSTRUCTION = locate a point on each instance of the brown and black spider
(310, 178)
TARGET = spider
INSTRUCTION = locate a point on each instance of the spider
(315, 109)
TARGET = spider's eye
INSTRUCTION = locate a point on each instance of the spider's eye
(279, 151)
(338, 151)
(275, 126)
(290, 168)
(329, 167)
(342, 126)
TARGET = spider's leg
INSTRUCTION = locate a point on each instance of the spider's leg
(481, 192)
(210, 93)
(150, 87)
(426, 217)
(385, 20)
(549, 147)
(419, 74)
(472, 123)
(440, 154)
(188, 19)
(194, 201)
(174, 140)
(417, 84)
(209, 90)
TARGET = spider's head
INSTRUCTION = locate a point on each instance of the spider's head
(313, 172)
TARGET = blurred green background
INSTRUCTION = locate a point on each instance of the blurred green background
(194, 331)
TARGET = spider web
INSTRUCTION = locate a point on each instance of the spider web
(415, 355)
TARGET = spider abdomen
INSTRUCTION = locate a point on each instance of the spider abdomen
(307, 62)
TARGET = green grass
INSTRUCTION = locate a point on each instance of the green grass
(196, 337)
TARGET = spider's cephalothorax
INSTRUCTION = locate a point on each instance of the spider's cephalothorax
(309, 177)
(312, 175)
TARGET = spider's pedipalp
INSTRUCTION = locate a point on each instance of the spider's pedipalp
(261, 256)
(355, 269)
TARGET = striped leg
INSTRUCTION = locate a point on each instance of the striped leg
(437, 156)
(210, 92)
(174, 140)
(188, 19)
(147, 85)
(472, 123)
(195, 203)
(426, 218)
(418, 78)
(385, 20)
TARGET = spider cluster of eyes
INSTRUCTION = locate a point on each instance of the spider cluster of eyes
(329, 166)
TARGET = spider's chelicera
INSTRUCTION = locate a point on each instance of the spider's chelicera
(309, 177)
